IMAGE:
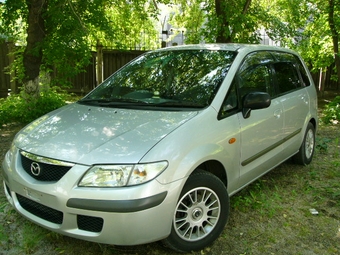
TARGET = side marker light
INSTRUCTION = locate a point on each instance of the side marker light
(232, 140)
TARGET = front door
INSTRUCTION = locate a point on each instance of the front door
(261, 133)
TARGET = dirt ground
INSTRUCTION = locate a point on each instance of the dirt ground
(271, 216)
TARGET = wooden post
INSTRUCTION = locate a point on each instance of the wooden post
(322, 81)
(99, 63)
(11, 59)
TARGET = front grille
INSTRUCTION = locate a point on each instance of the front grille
(48, 172)
(40, 210)
(88, 223)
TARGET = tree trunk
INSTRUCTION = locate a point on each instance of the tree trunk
(32, 57)
(335, 37)
(223, 32)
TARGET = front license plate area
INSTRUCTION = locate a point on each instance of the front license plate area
(32, 194)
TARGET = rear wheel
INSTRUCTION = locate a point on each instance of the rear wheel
(306, 151)
(201, 213)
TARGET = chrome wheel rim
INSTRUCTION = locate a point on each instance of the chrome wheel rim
(309, 145)
(197, 214)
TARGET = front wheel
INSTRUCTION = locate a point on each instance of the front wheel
(306, 151)
(201, 213)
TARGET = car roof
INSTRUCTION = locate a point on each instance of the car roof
(245, 48)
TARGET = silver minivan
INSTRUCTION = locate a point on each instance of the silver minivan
(155, 151)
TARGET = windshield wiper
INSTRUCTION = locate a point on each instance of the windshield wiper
(186, 104)
(112, 102)
(95, 101)
(130, 102)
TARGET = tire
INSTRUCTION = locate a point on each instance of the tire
(306, 151)
(201, 213)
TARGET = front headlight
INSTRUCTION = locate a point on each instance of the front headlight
(121, 175)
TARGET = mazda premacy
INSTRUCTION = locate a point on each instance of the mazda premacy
(156, 150)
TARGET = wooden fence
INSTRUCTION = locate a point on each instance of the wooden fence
(115, 59)
(109, 62)
(85, 81)
(82, 83)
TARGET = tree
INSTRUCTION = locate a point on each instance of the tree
(59, 31)
(188, 17)
(32, 57)
(334, 25)
(225, 15)
(60, 34)
(314, 26)
(224, 21)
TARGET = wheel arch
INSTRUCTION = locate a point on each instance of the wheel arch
(314, 122)
(216, 168)
(194, 207)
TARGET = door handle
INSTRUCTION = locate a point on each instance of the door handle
(304, 99)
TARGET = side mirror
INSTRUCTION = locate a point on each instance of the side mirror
(254, 101)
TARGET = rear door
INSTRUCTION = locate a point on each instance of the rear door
(294, 98)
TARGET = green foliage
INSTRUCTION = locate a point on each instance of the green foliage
(187, 17)
(17, 108)
(331, 114)
(311, 34)
(238, 23)
(73, 28)
(131, 25)
(33, 236)
(322, 144)
(255, 198)
(17, 68)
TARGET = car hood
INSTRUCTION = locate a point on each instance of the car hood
(96, 135)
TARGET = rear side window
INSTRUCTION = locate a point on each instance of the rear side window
(287, 77)
(303, 73)
(289, 62)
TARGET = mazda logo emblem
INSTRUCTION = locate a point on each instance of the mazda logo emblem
(35, 169)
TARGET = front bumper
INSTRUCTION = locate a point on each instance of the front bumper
(121, 216)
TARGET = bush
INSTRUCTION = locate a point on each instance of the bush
(17, 108)
(331, 114)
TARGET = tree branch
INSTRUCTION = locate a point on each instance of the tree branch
(77, 16)
(246, 7)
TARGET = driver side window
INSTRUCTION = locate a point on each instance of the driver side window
(254, 75)
(255, 78)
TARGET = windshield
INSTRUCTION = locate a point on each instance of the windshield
(178, 78)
